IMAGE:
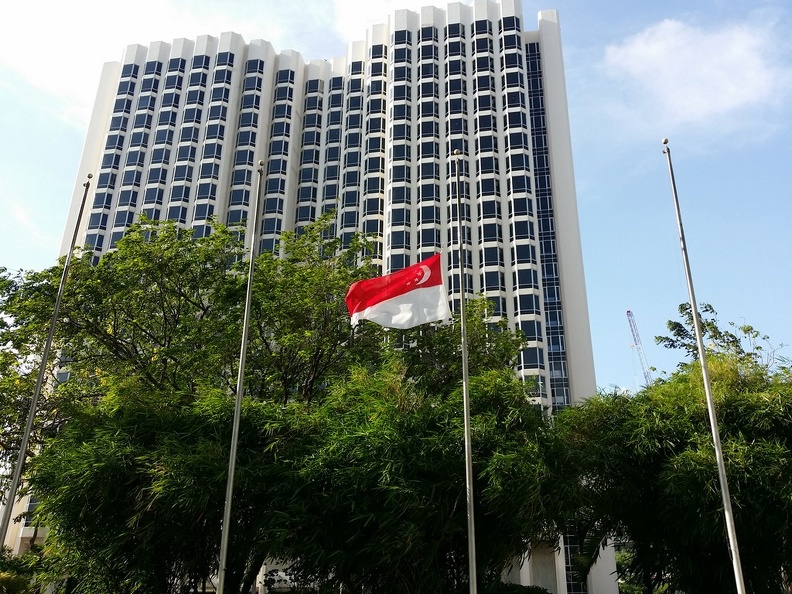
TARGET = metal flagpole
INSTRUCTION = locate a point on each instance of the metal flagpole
(466, 391)
(20, 461)
(724, 485)
(240, 390)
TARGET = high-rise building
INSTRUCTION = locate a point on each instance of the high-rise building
(179, 128)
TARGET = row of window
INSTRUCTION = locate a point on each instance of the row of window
(452, 30)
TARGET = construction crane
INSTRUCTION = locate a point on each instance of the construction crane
(637, 342)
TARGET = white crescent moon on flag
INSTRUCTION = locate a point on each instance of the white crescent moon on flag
(426, 274)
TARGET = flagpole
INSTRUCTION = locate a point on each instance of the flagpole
(724, 485)
(240, 389)
(20, 461)
(466, 391)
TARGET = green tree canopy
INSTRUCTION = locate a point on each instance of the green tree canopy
(350, 461)
(167, 309)
(743, 341)
(363, 490)
(648, 474)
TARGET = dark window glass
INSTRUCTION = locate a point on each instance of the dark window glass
(138, 139)
(220, 94)
(195, 97)
(225, 59)
(239, 196)
(127, 198)
(149, 85)
(200, 61)
(197, 79)
(146, 102)
(111, 161)
(126, 87)
(180, 194)
(98, 220)
(176, 64)
(122, 105)
(153, 196)
(174, 81)
(251, 101)
(243, 157)
(428, 34)
(254, 66)
(170, 100)
(203, 211)
(284, 76)
(402, 37)
(153, 68)
(246, 138)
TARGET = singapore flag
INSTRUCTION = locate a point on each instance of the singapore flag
(412, 296)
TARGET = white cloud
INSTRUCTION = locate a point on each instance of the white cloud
(72, 40)
(680, 75)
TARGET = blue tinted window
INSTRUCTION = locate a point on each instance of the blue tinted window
(251, 101)
(225, 59)
(218, 112)
(243, 157)
(103, 200)
(185, 153)
(167, 118)
(176, 64)
(402, 36)
(98, 220)
(131, 178)
(153, 196)
(110, 161)
(200, 61)
(195, 96)
(149, 85)
(177, 213)
(153, 68)
(106, 180)
(180, 193)
(203, 211)
(189, 134)
(170, 100)
(254, 66)
(220, 94)
(122, 105)
(126, 87)
(222, 77)
(206, 190)
(123, 218)
(114, 141)
(215, 131)
(174, 81)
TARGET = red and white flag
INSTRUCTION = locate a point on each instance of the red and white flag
(412, 296)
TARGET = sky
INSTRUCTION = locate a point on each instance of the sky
(712, 76)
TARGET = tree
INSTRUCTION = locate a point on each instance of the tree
(433, 353)
(387, 479)
(364, 489)
(647, 473)
(16, 572)
(158, 320)
(143, 311)
(133, 488)
(350, 464)
(167, 308)
(745, 343)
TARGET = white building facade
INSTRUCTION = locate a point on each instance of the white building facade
(179, 128)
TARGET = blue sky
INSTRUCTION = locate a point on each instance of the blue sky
(714, 76)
